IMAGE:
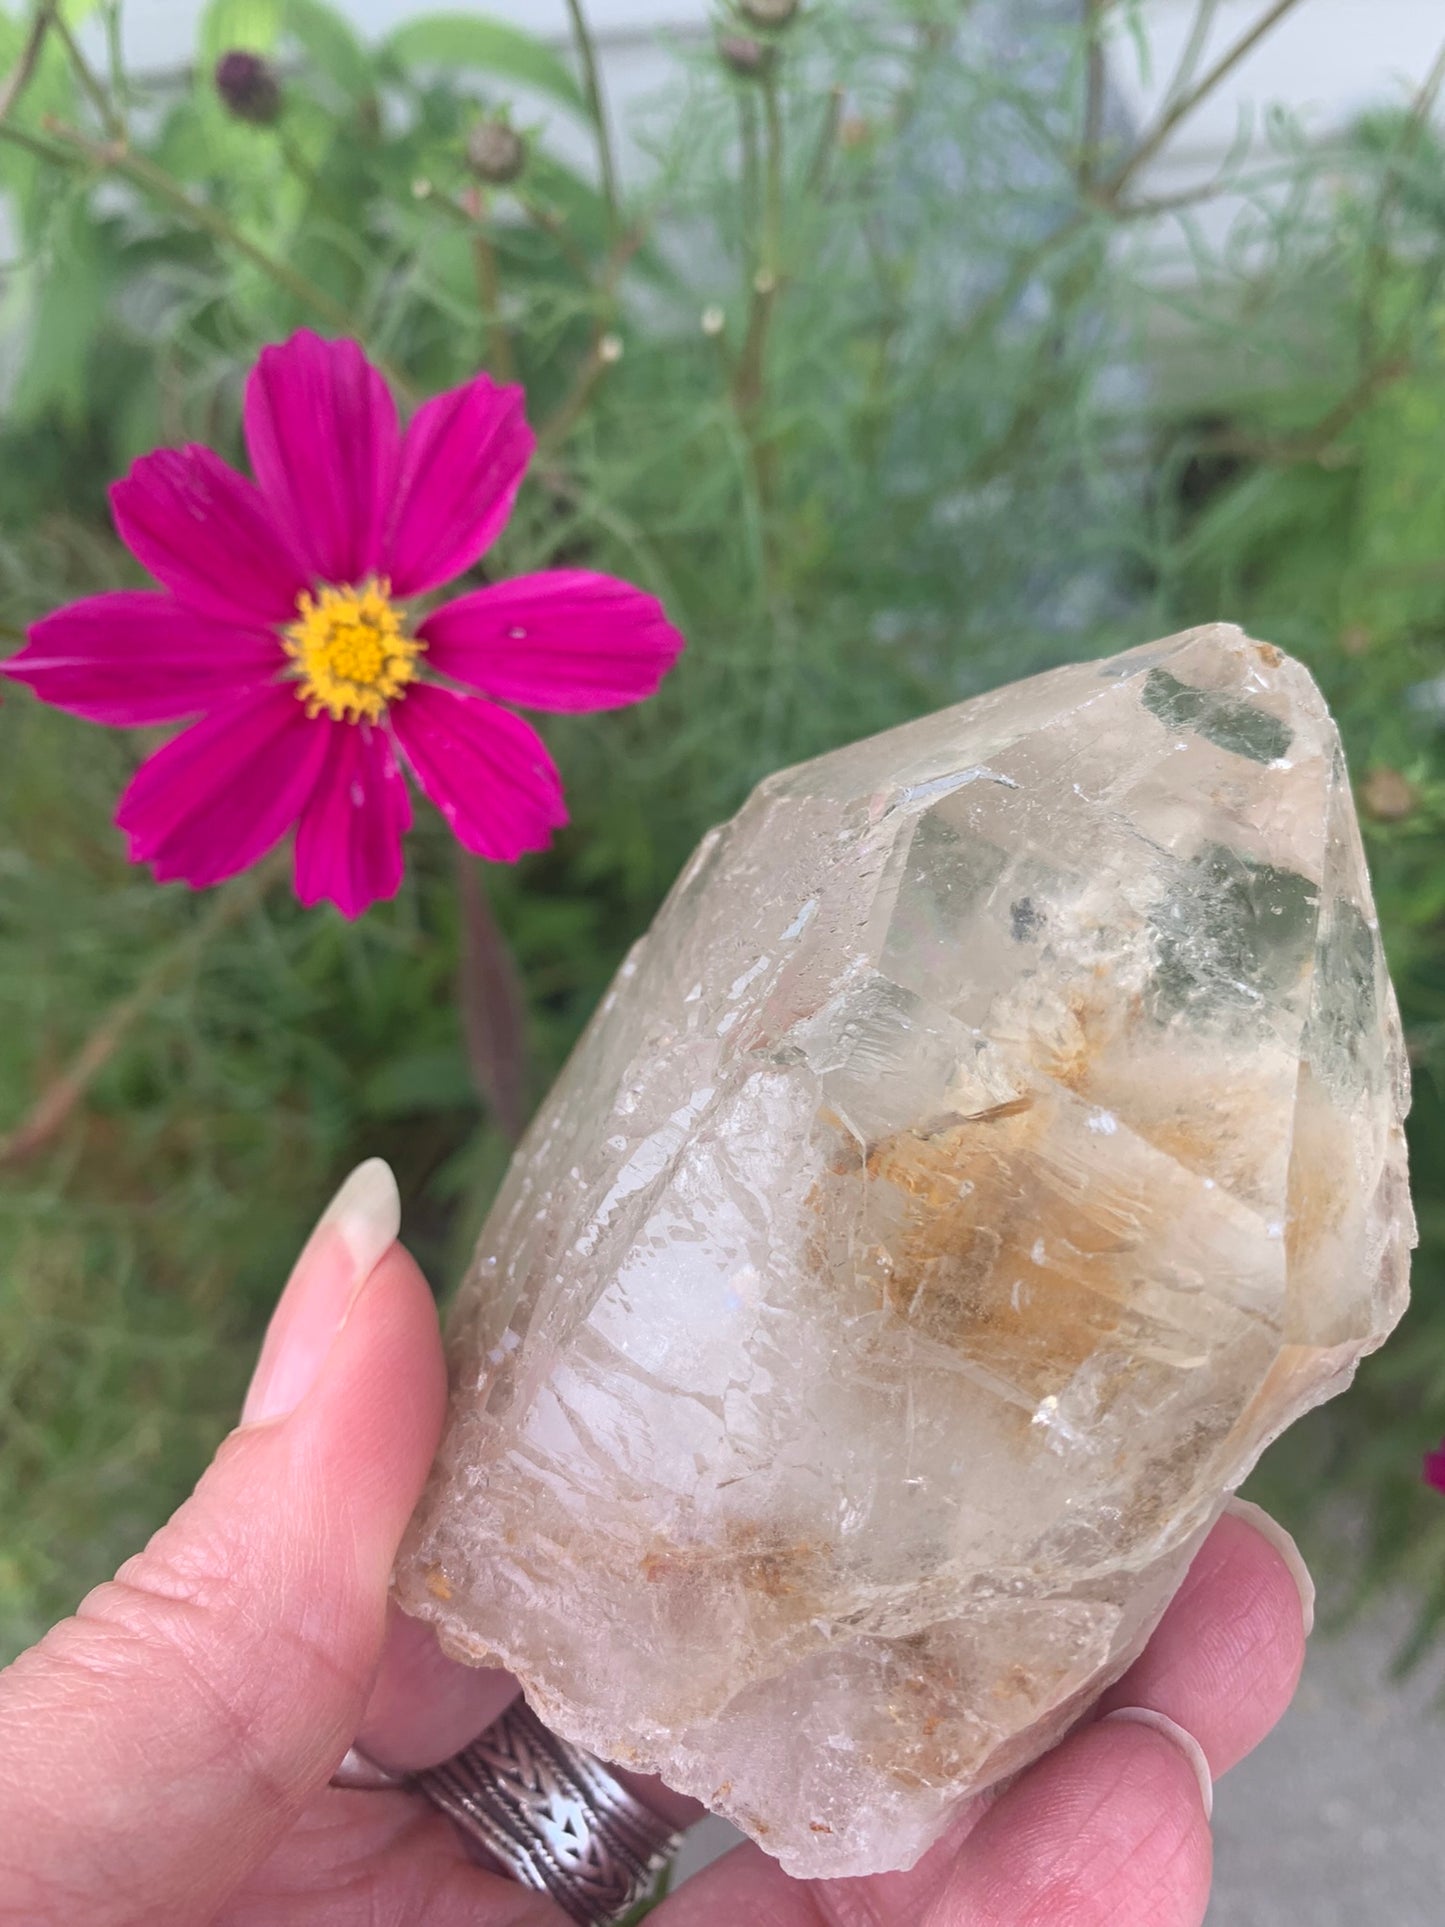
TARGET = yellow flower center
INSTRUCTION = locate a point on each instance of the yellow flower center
(351, 652)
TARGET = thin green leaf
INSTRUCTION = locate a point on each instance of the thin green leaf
(566, 195)
(329, 42)
(254, 25)
(420, 1081)
(472, 42)
(70, 307)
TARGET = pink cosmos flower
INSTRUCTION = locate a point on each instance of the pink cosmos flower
(287, 622)
(1434, 1468)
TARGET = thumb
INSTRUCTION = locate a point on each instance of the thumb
(154, 1747)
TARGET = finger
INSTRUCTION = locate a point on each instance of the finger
(153, 1747)
(1108, 1830)
(424, 1706)
(1226, 1657)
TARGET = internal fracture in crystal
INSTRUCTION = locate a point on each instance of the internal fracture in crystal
(994, 1143)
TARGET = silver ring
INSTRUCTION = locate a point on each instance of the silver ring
(557, 1819)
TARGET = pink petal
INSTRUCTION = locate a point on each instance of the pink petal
(487, 771)
(1434, 1468)
(322, 432)
(563, 640)
(218, 796)
(133, 657)
(462, 463)
(204, 531)
(348, 842)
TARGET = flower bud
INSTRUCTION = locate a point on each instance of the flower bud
(249, 87)
(768, 13)
(749, 59)
(496, 153)
(1388, 796)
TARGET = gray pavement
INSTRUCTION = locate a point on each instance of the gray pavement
(1339, 1819)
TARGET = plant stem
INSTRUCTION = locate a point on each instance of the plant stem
(57, 1103)
(492, 1003)
(573, 406)
(90, 83)
(1152, 207)
(597, 106)
(827, 141)
(23, 71)
(1203, 20)
(772, 178)
(43, 150)
(750, 381)
(489, 296)
(1094, 85)
(606, 349)
(929, 43)
(489, 288)
(119, 87)
(751, 153)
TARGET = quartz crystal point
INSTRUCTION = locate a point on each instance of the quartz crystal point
(994, 1143)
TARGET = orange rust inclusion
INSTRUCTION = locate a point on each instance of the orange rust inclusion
(966, 1237)
(751, 1555)
(970, 1229)
(939, 1715)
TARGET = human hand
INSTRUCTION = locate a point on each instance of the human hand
(165, 1754)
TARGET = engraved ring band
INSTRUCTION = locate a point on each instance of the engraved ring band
(556, 1818)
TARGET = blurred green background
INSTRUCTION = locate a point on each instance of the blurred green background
(878, 372)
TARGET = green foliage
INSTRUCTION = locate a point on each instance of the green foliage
(899, 413)
(469, 42)
(1333, 542)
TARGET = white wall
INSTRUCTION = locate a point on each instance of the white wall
(161, 33)
(1328, 59)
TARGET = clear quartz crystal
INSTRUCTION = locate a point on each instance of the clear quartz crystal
(995, 1142)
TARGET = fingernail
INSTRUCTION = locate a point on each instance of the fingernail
(352, 1234)
(359, 1771)
(1270, 1528)
(1184, 1740)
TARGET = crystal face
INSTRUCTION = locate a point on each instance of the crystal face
(994, 1143)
